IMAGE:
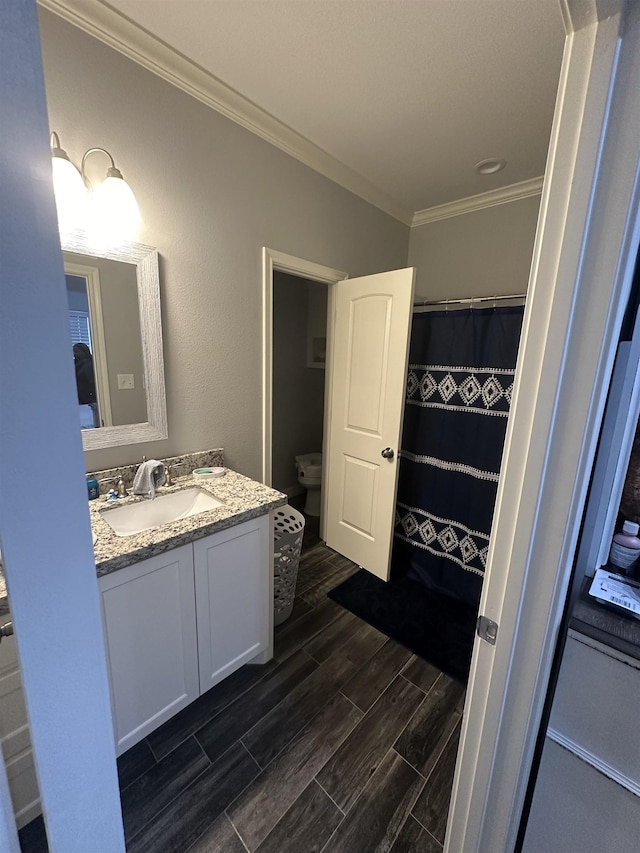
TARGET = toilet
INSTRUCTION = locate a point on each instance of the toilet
(309, 467)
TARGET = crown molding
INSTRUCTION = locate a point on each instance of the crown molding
(120, 33)
(513, 192)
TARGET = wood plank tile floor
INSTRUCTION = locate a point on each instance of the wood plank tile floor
(344, 743)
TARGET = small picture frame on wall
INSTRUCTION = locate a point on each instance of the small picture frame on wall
(317, 352)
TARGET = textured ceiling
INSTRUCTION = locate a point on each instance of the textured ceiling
(408, 93)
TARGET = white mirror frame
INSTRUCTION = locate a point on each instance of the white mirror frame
(145, 259)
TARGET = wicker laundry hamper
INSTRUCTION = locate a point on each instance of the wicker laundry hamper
(288, 529)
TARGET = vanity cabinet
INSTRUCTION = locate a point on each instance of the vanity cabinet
(149, 619)
(178, 623)
(234, 599)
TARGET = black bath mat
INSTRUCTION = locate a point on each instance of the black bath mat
(435, 627)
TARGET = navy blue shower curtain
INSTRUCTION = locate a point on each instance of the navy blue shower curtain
(459, 387)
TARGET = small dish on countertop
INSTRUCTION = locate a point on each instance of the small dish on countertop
(207, 473)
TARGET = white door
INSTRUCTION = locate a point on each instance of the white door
(370, 346)
(581, 275)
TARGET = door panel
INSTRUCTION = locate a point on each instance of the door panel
(368, 329)
(150, 631)
(359, 494)
(233, 599)
(369, 364)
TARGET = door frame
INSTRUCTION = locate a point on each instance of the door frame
(272, 261)
(582, 268)
(46, 543)
(91, 275)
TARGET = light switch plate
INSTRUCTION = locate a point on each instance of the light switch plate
(125, 381)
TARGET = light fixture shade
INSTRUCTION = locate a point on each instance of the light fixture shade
(71, 194)
(115, 211)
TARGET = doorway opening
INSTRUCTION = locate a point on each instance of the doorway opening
(299, 356)
(297, 302)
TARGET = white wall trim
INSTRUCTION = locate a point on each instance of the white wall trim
(577, 14)
(274, 260)
(46, 542)
(581, 277)
(123, 35)
(91, 276)
(593, 761)
(503, 195)
(597, 646)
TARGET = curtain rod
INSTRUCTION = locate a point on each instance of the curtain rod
(469, 300)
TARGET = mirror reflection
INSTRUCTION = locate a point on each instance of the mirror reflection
(102, 296)
(114, 313)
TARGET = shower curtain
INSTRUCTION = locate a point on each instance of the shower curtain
(459, 387)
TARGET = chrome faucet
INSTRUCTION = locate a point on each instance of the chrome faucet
(119, 484)
(167, 474)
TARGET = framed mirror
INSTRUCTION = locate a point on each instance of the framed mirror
(115, 324)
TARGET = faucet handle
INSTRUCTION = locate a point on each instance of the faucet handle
(167, 474)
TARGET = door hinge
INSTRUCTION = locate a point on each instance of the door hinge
(487, 630)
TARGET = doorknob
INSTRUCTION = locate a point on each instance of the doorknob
(387, 453)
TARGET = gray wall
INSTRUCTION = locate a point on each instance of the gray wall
(484, 253)
(211, 196)
(298, 390)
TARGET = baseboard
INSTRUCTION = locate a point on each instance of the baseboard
(594, 761)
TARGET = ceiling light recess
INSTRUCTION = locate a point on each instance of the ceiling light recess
(490, 166)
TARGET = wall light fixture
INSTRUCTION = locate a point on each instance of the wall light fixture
(108, 211)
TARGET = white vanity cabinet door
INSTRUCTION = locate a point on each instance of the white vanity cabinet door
(150, 632)
(234, 598)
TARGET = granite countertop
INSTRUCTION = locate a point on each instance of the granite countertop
(242, 499)
(607, 625)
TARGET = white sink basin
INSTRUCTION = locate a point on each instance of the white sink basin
(145, 515)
